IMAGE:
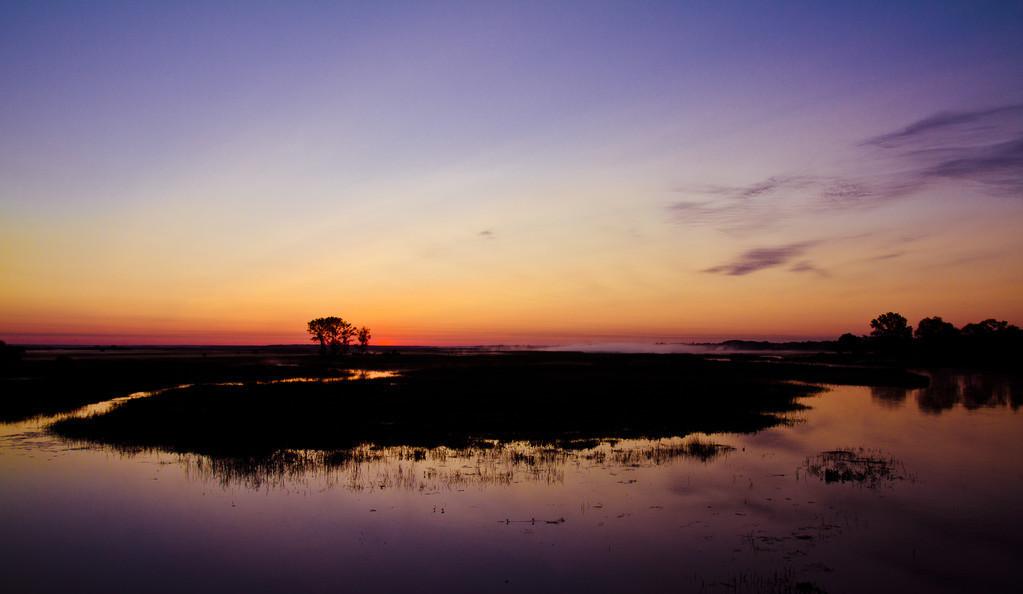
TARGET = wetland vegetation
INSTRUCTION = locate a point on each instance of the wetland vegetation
(736, 462)
(438, 399)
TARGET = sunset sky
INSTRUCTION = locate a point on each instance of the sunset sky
(474, 172)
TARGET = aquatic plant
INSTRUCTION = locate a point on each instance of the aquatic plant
(860, 466)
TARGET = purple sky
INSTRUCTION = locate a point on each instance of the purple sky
(461, 172)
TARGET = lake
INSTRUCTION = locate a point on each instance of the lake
(867, 489)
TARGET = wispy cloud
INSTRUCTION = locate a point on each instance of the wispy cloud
(999, 166)
(975, 122)
(808, 266)
(762, 258)
(761, 188)
(982, 146)
(887, 256)
(759, 205)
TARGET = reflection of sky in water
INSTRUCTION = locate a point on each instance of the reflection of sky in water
(517, 517)
(102, 407)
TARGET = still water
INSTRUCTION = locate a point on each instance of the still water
(878, 490)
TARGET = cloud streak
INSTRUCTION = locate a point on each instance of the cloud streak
(983, 147)
(763, 258)
(807, 266)
(759, 205)
(976, 121)
(998, 166)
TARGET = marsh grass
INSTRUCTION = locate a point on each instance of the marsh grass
(431, 470)
(457, 401)
(860, 466)
(570, 408)
(783, 581)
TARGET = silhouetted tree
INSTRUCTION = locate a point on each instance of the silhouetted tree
(993, 341)
(891, 326)
(318, 331)
(989, 328)
(937, 341)
(364, 336)
(935, 330)
(849, 343)
(346, 331)
(990, 343)
(891, 334)
(335, 334)
(332, 332)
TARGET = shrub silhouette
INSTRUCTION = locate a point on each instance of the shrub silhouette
(364, 336)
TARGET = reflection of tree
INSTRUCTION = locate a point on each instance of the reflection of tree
(979, 391)
(971, 390)
(942, 394)
(888, 396)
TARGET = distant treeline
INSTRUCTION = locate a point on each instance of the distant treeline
(933, 341)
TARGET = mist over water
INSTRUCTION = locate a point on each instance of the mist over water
(630, 347)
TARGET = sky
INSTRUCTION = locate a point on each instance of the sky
(516, 172)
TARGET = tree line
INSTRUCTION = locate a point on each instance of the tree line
(937, 340)
(335, 335)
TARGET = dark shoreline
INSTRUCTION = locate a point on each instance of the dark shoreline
(458, 399)
(47, 382)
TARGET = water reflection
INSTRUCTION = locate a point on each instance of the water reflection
(889, 396)
(106, 406)
(432, 470)
(948, 389)
(868, 467)
(347, 375)
(780, 510)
